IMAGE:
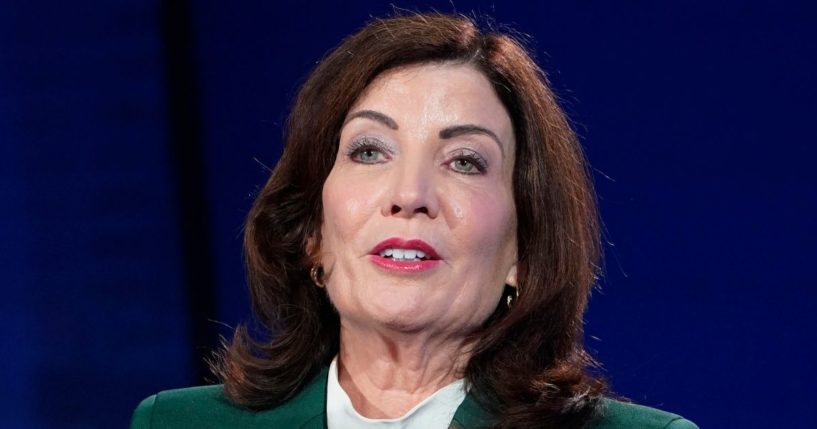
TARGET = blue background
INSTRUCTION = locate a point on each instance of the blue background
(134, 133)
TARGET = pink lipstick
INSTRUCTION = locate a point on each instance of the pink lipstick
(407, 256)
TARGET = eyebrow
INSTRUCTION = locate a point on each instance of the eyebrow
(459, 130)
(375, 116)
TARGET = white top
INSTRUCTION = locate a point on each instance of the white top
(435, 412)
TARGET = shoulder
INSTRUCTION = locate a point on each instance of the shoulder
(182, 408)
(206, 407)
(614, 414)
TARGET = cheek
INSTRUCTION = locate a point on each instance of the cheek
(482, 222)
(347, 206)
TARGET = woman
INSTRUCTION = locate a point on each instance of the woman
(422, 254)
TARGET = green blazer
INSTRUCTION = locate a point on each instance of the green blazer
(205, 407)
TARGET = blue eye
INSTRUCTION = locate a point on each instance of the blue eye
(368, 151)
(468, 162)
(463, 165)
(367, 155)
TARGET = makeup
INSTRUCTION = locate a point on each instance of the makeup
(406, 256)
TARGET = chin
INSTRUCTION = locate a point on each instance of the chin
(403, 317)
(401, 311)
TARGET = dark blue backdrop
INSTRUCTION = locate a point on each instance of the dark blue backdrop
(133, 134)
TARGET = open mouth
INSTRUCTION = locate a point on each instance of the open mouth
(399, 250)
(404, 255)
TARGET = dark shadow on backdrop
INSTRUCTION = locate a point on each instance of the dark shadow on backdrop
(184, 125)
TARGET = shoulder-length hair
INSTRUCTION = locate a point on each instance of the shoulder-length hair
(529, 366)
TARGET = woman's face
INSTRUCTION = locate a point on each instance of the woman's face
(419, 223)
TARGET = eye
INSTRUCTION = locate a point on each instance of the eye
(367, 155)
(468, 162)
(368, 151)
(463, 165)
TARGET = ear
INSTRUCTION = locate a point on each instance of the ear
(510, 279)
(311, 249)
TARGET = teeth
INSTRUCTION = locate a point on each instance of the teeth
(403, 254)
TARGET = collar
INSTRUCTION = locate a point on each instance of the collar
(307, 409)
(436, 411)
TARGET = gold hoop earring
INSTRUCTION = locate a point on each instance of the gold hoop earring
(316, 273)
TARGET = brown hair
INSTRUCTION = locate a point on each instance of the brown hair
(529, 366)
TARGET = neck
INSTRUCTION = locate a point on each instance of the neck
(387, 374)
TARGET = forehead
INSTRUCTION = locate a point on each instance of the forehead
(442, 93)
(454, 77)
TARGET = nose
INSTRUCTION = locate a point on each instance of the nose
(411, 192)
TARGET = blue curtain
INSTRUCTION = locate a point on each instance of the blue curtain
(133, 135)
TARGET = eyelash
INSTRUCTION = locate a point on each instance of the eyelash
(365, 143)
(474, 158)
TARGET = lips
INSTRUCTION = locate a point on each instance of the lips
(397, 243)
(381, 255)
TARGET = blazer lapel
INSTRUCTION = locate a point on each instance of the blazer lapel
(471, 415)
(307, 410)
